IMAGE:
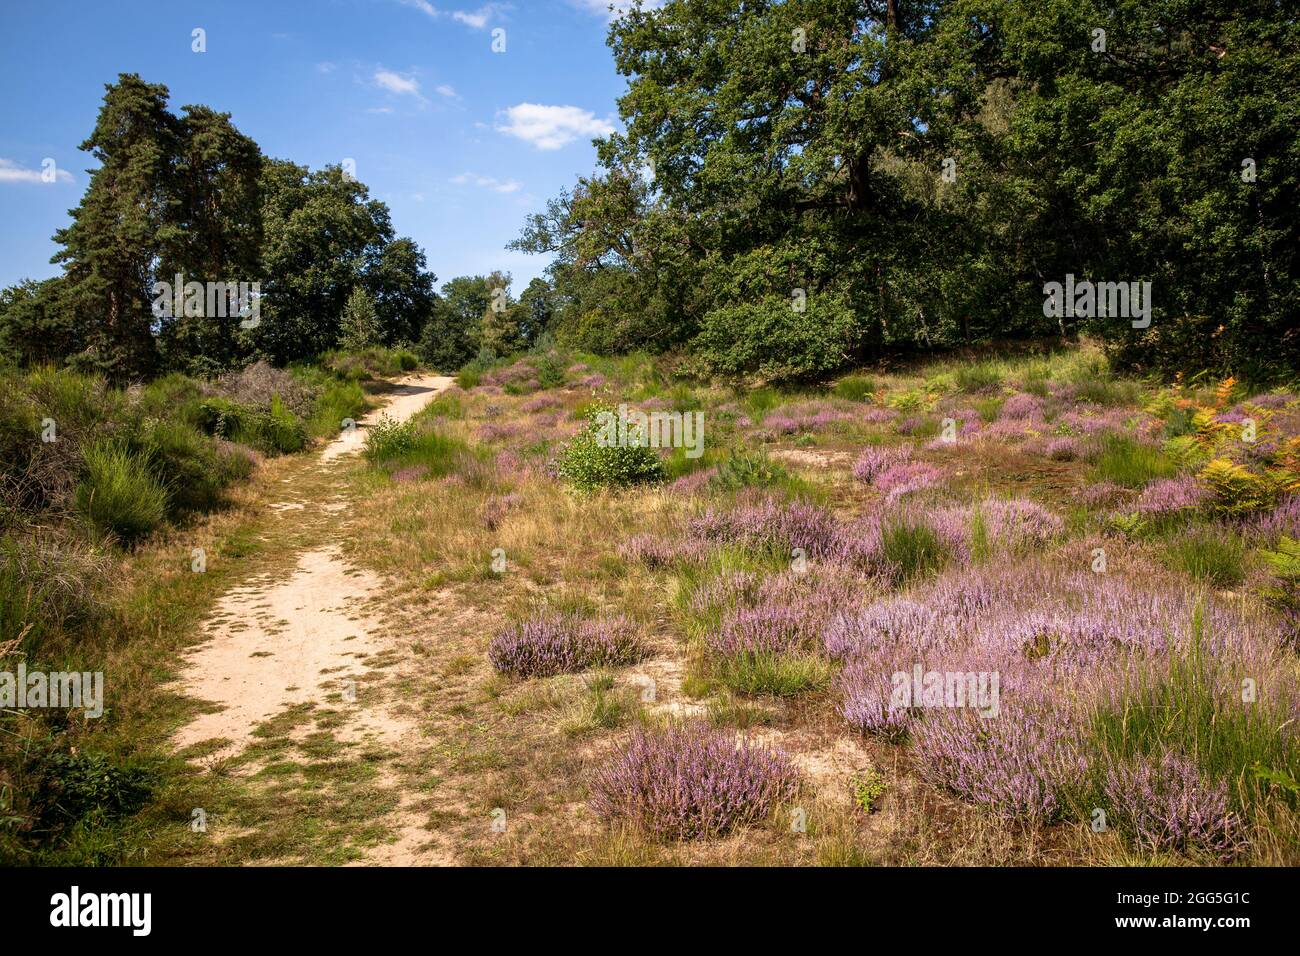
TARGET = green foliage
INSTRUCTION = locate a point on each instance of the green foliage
(745, 470)
(274, 431)
(1283, 594)
(777, 675)
(910, 548)
(868, 787)
(1208, 554)
(1131, 464)
(119, 494)
(772, 341)
(388, 439)
(359, 327)
(595, 459)
(854, 388)
(978, 376)
(1237, 490)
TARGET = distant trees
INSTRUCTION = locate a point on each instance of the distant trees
(802, 184)
(191, 195)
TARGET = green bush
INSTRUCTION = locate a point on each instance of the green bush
(387, 439)
(588, 463)
(744, 470)
(769, 339)
(550, 371)
(273, 432)
(337, 400)
(119, 494)
(187, 463)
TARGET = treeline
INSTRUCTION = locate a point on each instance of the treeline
(189, 195)
(803, 185)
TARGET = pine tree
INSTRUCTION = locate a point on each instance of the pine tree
(359, 327)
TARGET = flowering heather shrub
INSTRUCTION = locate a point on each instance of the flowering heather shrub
(1021, 406)
(692, 483)
(1019, 524)
(691, 782)
(542, 403)
(803, 418)
(769, 524)
(1020, 764)
(866, 689)
(499, 431)
(910, 425)
(876, 459)
(899, 623)
(765, 629)
(879, 415)
(562, 642)
(1168, 496)
(1282, 519)
(1269, 400)
(593, 381)
(1062, 449)
(906, 477)
(1165, 804)
(1101, 493)
(656, 551)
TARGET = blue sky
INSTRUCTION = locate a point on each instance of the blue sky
(460, 141)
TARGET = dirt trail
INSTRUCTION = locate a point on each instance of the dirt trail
(310, 636)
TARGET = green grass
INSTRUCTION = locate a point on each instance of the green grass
(1216, 556)
(1193, 704)
(777, 675)
(1131, 464)
(978, 376)
(119, 495)
(854, 388)
(911, 548)
(338, 400)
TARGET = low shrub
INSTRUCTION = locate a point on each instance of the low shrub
(590, 460)
(691, 782)
(564, 642)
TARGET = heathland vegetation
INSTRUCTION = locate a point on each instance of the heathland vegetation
(830, 230)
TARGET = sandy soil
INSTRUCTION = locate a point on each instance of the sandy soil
(305, 637)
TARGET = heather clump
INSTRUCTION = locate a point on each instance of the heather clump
(1162, 802)
(556, 642)
(770, 525)
(691, 782)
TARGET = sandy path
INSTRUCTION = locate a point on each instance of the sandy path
(411, 394)
(305, 637)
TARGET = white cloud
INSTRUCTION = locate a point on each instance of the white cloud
(551, 127)
(396, 83)
(325, 67)
(474, 19)
(447, 90)
(11, 172)
(488, 182)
